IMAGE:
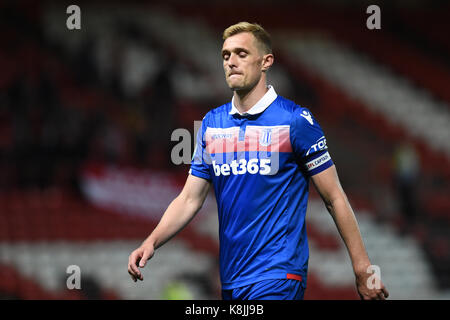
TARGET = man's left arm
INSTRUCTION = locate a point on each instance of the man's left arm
(328, 186)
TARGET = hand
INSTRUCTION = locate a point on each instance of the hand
(365, 293)
(140, 255)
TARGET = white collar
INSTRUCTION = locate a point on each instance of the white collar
(260, 106)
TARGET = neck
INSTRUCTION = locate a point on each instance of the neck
(245, 99)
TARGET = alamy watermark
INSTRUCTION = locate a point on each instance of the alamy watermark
(181, 152)
(374, 20)
(74, 20)
(74, 279)
(374, 281)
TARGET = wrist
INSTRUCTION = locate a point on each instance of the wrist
(149, 243)
(361, 267)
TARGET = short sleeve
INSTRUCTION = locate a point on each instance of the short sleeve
(199, 163)
(309, 143)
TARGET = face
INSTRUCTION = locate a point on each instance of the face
(243, 61)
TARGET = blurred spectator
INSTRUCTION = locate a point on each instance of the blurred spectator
(406, 176)
(176, 290)
(84, 63)
(53, 120)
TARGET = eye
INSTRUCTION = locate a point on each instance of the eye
(242, 54)
(225, 56)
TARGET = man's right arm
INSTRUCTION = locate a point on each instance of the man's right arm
(178, 214)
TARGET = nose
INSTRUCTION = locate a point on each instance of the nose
(232, 60)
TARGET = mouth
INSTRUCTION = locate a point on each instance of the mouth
(233, 71)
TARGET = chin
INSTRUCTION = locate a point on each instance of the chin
(236, 86)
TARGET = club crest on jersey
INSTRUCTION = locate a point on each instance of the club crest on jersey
(265, 139)
(305, 114)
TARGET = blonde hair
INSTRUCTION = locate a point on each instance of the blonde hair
(262, 36)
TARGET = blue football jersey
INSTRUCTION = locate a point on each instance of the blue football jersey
(259, 164)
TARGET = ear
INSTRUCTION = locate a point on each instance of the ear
(267, 62)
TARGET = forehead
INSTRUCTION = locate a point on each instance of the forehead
(240, 40)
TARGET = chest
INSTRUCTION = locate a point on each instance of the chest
(248, 138)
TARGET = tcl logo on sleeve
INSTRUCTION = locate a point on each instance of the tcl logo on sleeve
(321, 144)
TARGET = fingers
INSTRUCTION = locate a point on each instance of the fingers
(145, 257)
(367, 292)
(132, 276)
(132, 267)
(132, 272)
(379, 294)
(141, 256)
(373, 297)
(382, 293)
(385, 292)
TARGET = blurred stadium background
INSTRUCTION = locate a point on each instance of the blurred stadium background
(86, 118)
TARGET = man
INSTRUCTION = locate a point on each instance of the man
(259, 152)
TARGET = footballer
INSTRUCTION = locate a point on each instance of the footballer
(259, 152)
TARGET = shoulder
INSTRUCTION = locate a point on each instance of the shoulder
(291, 107)
(223, 109)
(300, 116)
(285, 104)
(217, 112)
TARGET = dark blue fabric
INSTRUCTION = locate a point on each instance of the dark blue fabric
(262, 228)
(278, 289)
